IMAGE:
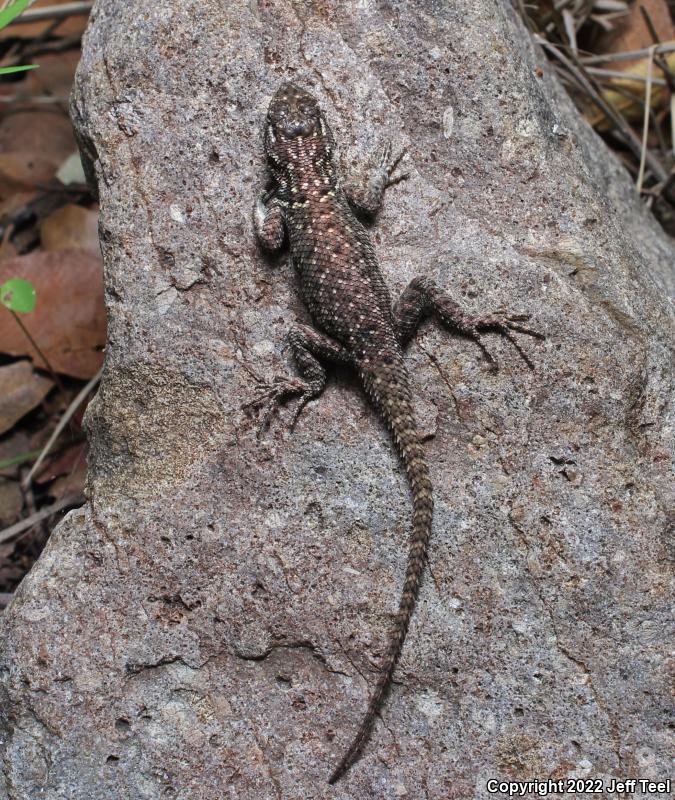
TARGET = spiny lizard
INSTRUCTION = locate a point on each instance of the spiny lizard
(355, 321)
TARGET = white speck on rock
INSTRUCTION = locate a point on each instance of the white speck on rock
(128, 114)
(176, 214)
(165, 299)
(430, 704)
(489, 722)
(646, 760)
(272, 521)
(448, 121)
(186, 277)
(263, 348)
(520, 626)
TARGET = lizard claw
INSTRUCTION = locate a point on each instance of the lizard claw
(272, 395)
(513, 321)
(491, 359)
(388, 165)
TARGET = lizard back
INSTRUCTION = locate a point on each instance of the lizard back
(345, 293)
(339, 276)
(340, 279)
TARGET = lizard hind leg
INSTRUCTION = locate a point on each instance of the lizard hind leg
(308, 346)
(423, 297)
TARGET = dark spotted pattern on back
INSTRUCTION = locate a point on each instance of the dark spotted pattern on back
(354, 320)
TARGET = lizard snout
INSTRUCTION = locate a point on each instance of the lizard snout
(299, 128)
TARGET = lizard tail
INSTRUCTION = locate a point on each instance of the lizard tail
(401, 422)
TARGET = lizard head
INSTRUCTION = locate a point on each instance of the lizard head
(293, 112)
(296, 129)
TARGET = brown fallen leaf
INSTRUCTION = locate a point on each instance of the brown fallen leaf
(70, 227)
(13, 448)
(33, 145)
(626, 94)
(70, 26)
(22, 169)
(63, 463)
(45, 133)
(632, 33)
(68, 322)
(22, 213)
(15, 202)
(11, 502)
(70, 485)
(54, 78)
(21, 389)
(7, 249)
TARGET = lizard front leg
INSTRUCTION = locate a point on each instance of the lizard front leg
(423, 297)
(366, 195)
(268, 221)
(308, 346)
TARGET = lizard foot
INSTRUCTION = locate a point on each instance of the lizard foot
(504, 324)
(388, 165)
(272, 395)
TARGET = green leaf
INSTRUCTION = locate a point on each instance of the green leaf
(9, 70)
(12, 11)
(18, 295)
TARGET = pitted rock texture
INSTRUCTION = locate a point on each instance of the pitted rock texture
(209, 625)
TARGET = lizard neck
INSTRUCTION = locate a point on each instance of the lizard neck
(306, 169)
(309, 187)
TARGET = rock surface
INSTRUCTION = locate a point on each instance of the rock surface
(209, 624)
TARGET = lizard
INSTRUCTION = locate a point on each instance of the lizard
(355, 321)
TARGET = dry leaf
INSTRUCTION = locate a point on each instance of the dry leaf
(21, 389)
(632, 33)
(23, 169)
(15, 202)
(68, 322)
(8, 250)
(63, 463)
(626, 106)
(12, 446)
(33, 145)
(71, 26)
(70, 485)
(55, 76)
(11, 502)
(70, 227)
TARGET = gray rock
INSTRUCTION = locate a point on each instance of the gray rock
(209, 624)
